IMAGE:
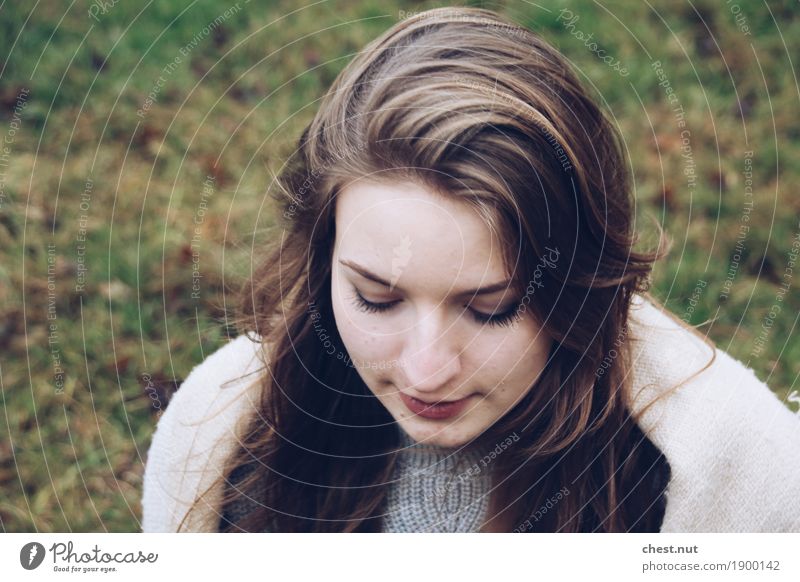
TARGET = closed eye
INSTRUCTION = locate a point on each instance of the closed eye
(494, 319)
(371, 307)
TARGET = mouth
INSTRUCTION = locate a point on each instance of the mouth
(434, 410)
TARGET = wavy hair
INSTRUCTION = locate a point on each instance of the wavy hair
(471, 105)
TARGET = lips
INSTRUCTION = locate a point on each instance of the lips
(434, 410)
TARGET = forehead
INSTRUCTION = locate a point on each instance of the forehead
(388, 223)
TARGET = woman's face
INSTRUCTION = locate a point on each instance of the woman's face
(424, 337)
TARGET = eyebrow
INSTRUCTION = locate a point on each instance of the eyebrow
(494, 288)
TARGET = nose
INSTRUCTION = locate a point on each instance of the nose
(432, 356)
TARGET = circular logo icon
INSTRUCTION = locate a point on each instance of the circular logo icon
(31, 555)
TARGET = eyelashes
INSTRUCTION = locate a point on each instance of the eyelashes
(369, 306)
(499, 319)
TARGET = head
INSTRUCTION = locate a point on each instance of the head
(456, 226)
(428, 311)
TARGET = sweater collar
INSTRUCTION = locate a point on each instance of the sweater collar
(427, 454)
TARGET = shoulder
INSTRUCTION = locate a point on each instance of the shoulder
(197, 432)
(733, 447)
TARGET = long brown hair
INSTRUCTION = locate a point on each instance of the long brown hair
(483, 111)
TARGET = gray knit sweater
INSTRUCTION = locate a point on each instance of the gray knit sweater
(433, 489)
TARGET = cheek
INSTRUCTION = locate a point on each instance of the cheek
(363, 343)
(517, 363)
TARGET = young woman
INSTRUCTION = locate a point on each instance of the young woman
(453, 330)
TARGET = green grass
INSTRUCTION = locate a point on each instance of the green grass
(73, 461)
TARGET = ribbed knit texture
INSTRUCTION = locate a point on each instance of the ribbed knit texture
(438, 489)
(433, 489)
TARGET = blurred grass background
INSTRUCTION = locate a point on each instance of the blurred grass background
(73, 78)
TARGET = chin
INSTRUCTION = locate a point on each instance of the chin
(435, 433)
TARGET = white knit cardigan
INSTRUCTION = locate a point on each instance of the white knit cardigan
(733, 447)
